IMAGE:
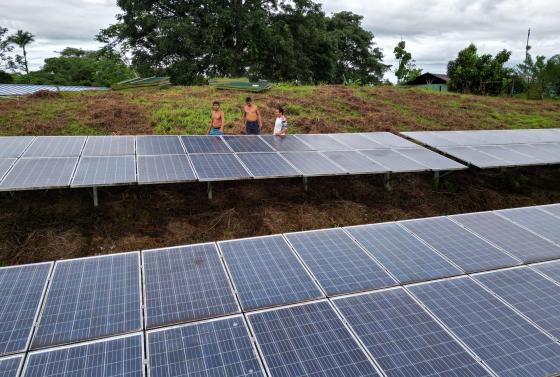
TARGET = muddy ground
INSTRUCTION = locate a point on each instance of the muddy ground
(47, 225)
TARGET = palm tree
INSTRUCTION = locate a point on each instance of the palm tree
(22, 39)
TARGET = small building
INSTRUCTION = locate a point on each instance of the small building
(430, 81)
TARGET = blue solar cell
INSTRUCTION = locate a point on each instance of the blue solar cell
(553, 209)
(356, 141)
(214, 348)
(110, 146)
(394, 161)
(338, 263)
(355, 163)
(105, 171)
(157, 145)
(123, 356)
(56, 146)
(5, 165)
(218, 167)
(268, 165)
(313, 164)
(506, 342)
(14, 146)
(21, 290)
(433, 160)
(39, 173)
(308, 340)
(10, 366)
(91, 298)
(389, 140)
(185, 284)
(205, 144)
(266, 272)
(323, 143)
(517, 241)
(164, 169)
(537, 221)
(287, 143)
(404, 339)
(550, 269)
(530, 293)
(462, 247)
(247, 143)
(407, 258)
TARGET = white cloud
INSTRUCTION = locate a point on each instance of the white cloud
(435, 30)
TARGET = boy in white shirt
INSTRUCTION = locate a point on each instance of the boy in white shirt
(281, 124)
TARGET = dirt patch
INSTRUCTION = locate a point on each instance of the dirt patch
(42, 226)
(42, 94)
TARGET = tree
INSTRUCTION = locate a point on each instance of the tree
(5, 58)
(479, 74)
(22, 39)
(407, 70)
(275, 39)
(542, 77)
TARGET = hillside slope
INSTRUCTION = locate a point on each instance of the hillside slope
(185, 110)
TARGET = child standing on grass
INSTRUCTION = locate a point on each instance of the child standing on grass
(217, 121)
(281, 124)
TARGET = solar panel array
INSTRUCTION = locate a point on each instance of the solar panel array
(30, 163)
(24, 89)
(495, 148)
(332, 302)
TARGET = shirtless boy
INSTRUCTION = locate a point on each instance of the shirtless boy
(217, 121)
(252, 118)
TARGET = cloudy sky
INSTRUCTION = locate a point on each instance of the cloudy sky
(435, 30)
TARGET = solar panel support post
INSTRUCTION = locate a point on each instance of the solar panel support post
(305, 184)
(210, 191)
(437, 179)
(387, 182)
(95, 198)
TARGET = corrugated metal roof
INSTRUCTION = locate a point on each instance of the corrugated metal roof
(23, 89)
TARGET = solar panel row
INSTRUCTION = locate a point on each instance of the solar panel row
(78, 161)
(23, 90)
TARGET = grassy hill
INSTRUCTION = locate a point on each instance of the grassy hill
(185, 110)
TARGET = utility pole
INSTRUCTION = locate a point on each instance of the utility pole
(527, 48)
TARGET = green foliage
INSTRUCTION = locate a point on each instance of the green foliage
(407, 70)
(278, 40)
(5, 49)
(479, 74)
(6, 78)
(80, 67)
(540, 77)
(22, 39)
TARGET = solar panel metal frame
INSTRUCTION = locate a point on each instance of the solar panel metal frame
(323, 142)
(240, 144)
(467, 351)
(39, 304)
(153, 147)
(295, 163)
(78, 181)
(272, 140)
(69, 175)
(8, 153)
(96, 146)
(186, 321)
(158, 158)
(295, 172)
(233, 156)
(375, 167)
(65, 343)
(410, 289)
(77, 142)
(18, 370)
(195, 324)
(344, 327)
(86, 344)
(256, 307)
(203, 147)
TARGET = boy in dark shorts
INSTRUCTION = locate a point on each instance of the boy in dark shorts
(217, 121)
(252, 118)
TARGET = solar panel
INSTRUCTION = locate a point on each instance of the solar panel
(407, 258)
(287, 143)
(530, 293)
(56, 146)
(213, 348)
(185, 284)
(403, 338)
(21, 290)
(164, 169)
(431, 159)
(122, 356)
(247, 143)
(432, 138)
(390, 140)
(267, 165)
(355, 163)
(10, 366)
(90, 298)
(511, 157)
(536, 152)
(205, 144)
(21, 90)
(105, 171)
(14, 146)
(313, 164)
(5, 165)
(218, 167)
(537, 221)
(553, 209)
(266, 273)
(110, 146)
(474, 157)
(550, 269)
(394, 161)
(515, 240)
(356, 141)
(462, 247)
(506, 342)
(156, 145)
(308, 340)
(39, 173)
(323, 143)
(338, 263)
